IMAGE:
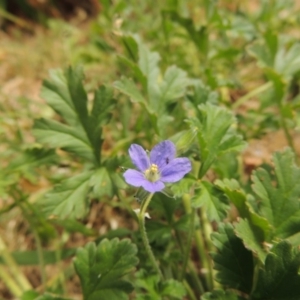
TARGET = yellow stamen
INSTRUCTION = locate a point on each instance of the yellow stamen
(152, 174)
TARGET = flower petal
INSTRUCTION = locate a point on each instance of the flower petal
(139, 157)
(176, 169)
(153, 187)
(134, 177)
(162, 154)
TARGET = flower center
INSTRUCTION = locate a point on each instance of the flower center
(152, 174)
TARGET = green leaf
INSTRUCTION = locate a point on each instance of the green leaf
(148, 62)
(68, 199)
(31, 257)
(256, 230)
(56, 92)
(182, 187)
(207, 198)
(149, 283)
(136, 71)
(129, 88)
(221, 295)
(101, 183)
(233, 262)
(202, 94)
(279, 279)
(173, 85)
(279, 84)
(279, 203)
(164, 205)
(184, 139)
(131, 46)
(173, 288)
(159, 92)
(30, 295)
(216, 134)
(100, 115)
(33, 295)
(158, 232)
(72, 225)
(101, 267)
(262, 54)
(198, 36)
(58, 135)
(154, 291)
(80, 133)
(33, 157)
(114, 233)
(287, 62)
(252, 237)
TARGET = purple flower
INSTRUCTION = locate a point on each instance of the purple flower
(159, 167)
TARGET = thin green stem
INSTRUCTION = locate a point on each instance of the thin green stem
(200, 245)
(13, 267)
(189, 290)
(58, 256)
(207, 230)
(141, 219)
(10, 283)
(40, 256)
(250, 95)
(188, 243)
(27, 210)
(285, 127)
(194, 276)
(191, 234)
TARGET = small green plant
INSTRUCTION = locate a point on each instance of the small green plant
(197, 224)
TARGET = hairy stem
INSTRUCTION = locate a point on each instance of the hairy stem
(141, 219)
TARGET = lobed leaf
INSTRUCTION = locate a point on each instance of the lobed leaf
(100, 269)
(207, 198)
(80, 132)
(157, 90)
(101, 183)
(279, 279)
(216, 134)
(255, 230)
(252, 237)
(56, 92)
(128, 87)
(58, 135)
(279, 203)
(33, 157)
(173, 85)
(69, 199)
(148, 287)
(233, 262)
